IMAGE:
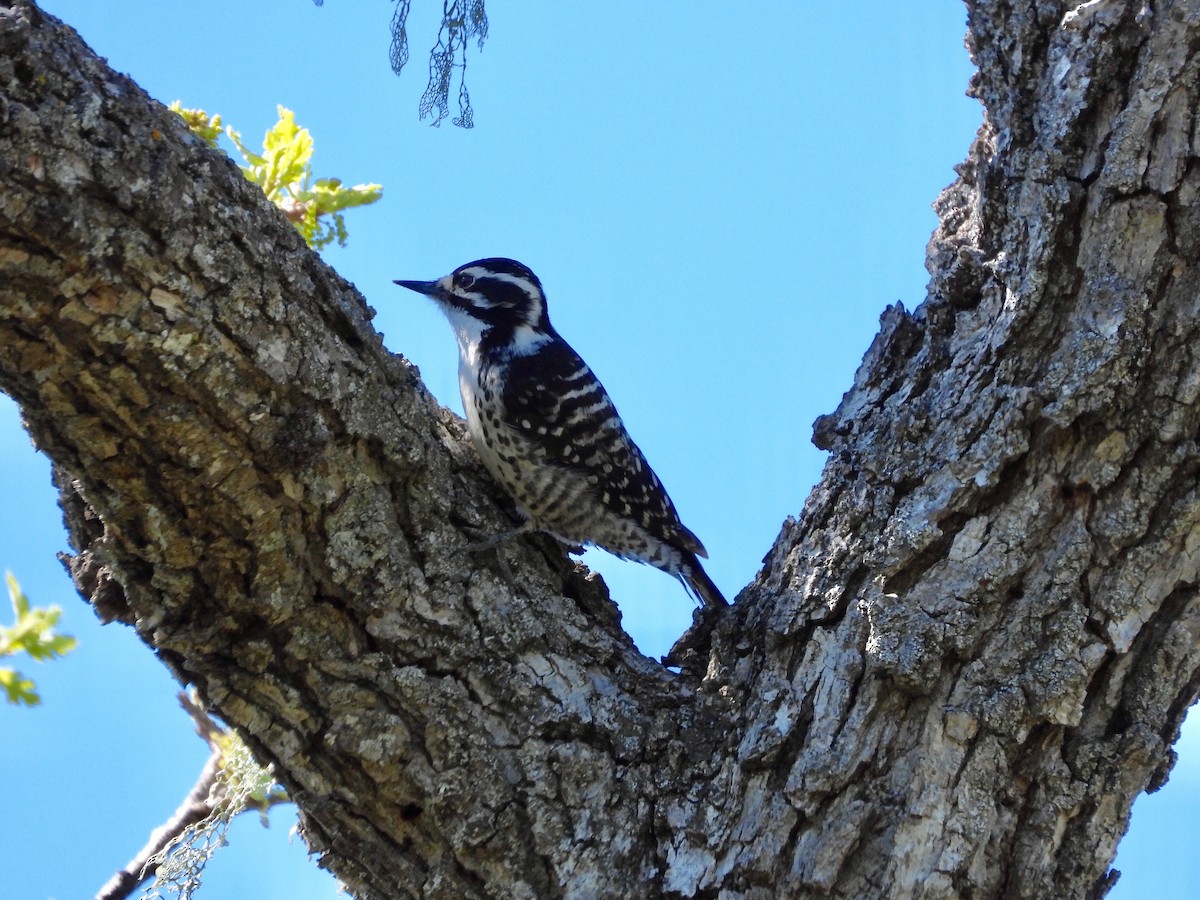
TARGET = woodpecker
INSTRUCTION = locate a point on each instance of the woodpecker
(547, 430)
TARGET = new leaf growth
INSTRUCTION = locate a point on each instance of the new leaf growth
(284, 172)
(32, 632)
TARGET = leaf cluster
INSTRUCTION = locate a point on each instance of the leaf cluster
(284, 172)
(32, 632)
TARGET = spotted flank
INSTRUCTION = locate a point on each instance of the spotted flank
(548, 432)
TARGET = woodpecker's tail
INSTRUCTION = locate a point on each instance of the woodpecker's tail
(699, 585)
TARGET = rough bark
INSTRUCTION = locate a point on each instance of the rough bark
(956, 669)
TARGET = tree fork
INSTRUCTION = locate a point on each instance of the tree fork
(953, 674)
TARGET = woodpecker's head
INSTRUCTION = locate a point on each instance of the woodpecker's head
(499, 294)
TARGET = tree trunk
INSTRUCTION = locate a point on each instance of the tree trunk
(956, 669)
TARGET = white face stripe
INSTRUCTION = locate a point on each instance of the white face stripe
(523, 283)
(480, 301)
(527, 341)
(537, 301)
(446, 283)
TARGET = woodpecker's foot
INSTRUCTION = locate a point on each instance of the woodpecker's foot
(494, 541)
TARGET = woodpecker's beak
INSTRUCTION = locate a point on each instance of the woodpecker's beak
(428, 288)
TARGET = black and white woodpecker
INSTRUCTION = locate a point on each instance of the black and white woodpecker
(547, 430)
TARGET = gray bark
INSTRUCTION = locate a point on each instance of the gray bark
(957, 668)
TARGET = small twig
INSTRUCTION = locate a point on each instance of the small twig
(195, 807)
(206, 728)
(205, 798)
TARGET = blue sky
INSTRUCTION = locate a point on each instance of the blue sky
(720, 205)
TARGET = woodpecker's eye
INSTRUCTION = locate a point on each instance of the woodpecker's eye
(464, 280)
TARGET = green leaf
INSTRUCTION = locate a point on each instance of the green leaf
(332, 197)
(199, 123)
(251, 158)
(287, 149)
(284, 173)
(32, 633)
(20, 602)
(19, 690)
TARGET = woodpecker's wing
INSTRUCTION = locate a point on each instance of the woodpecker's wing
(552, 398)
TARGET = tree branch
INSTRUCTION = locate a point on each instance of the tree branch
(194, 808)
(282, 504)
(217, 794)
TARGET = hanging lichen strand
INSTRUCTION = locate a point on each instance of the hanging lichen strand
(461, 22)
